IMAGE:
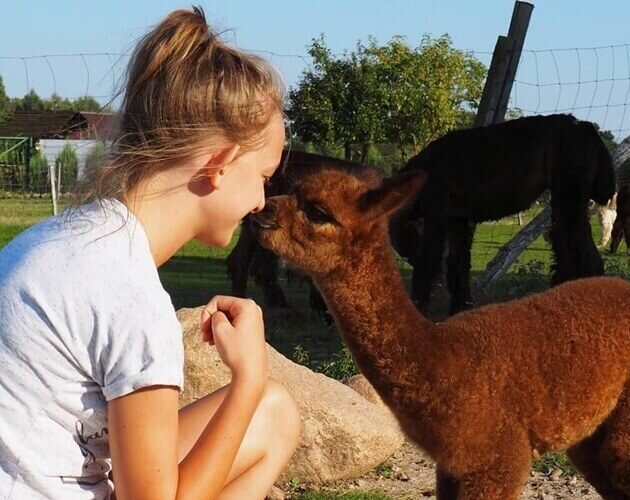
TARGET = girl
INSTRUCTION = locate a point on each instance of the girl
(91, 355)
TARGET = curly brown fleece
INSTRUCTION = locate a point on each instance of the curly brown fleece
(488, 389)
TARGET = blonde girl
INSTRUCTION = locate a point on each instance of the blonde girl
(91, 356)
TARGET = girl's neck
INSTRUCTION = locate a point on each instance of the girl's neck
(166, 216)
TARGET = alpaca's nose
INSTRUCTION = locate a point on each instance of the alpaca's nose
(266, 218)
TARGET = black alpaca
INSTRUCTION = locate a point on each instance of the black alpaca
(486, 173)
(249, 258)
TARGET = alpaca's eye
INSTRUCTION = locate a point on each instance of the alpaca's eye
(316, 214)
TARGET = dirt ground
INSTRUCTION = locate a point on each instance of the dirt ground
(409, 474)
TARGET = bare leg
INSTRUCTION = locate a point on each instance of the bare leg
(269, 443)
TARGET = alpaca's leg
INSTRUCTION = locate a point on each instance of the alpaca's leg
(427, 262)
(576, 255)
(585, 457)
(559, 234)
(460, 237)
(239, 260)
(265, 266)
(617, 234)
(503, 478)
(446, 486)
(615, 450)
(502, 483)
(626, 232)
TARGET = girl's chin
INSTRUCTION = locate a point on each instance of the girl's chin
(218, 240)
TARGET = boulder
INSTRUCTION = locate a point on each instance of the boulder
(343, 434)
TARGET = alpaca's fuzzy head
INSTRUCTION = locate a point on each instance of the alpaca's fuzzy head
(331, 216)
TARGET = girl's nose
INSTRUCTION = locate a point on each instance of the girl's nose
(260, 205)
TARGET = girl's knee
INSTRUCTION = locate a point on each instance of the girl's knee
(281, 410)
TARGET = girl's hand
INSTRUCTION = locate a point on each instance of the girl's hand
(237, 329)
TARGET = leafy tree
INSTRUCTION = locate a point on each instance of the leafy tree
(30, 102)
(426, 91)
(57, 103)
(391, 94)
(67, 168)
(607, 136)
(334, 103)
(38, 176)
(86, 103)
(94, 159)
(4, 102)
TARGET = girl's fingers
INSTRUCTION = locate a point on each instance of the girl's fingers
(233, 307)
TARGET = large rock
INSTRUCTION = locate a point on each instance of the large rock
(343, 435)
(360, 385)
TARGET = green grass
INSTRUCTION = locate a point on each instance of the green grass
(196, 273)
(552, 461)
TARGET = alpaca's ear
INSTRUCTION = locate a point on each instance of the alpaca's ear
(393, 194)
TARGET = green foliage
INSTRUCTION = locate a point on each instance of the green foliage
(86, 103)
(333, 104)
(301, 356)
(33, 102)
(340, 365)
(67, 168)
(384, 469)
(426, 91)
(4, 102)
(391, 94)
(30, 102)
(94, 159)
(38, 174)
(550, 461)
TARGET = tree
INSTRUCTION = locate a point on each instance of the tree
(86, 103)
(426, 91)
(38, 175)
(385, 94)
(334, 103)
(67, 168)
(4, 102)
(30, 102)
(607, 136)
(57, 103)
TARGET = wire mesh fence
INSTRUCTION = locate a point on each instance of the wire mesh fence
(592, 83)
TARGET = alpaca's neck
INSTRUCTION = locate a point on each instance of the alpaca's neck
(378, 321)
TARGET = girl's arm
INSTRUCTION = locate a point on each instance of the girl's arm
(143, 425)
(143, 436)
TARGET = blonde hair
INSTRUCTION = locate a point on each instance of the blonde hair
(185, 92)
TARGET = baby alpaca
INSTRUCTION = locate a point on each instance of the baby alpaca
(486, 390)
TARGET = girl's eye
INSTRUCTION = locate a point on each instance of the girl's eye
(317, 215)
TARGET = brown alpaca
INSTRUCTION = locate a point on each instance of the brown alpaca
(488, 389)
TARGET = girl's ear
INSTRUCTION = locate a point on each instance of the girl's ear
(218, 163)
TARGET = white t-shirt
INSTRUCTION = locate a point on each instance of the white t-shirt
(83, 320)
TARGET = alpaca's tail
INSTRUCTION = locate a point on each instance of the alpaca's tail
(604, 181)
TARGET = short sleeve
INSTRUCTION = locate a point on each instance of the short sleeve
(142, 344)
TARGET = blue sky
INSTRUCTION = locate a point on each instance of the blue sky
(39, 27)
